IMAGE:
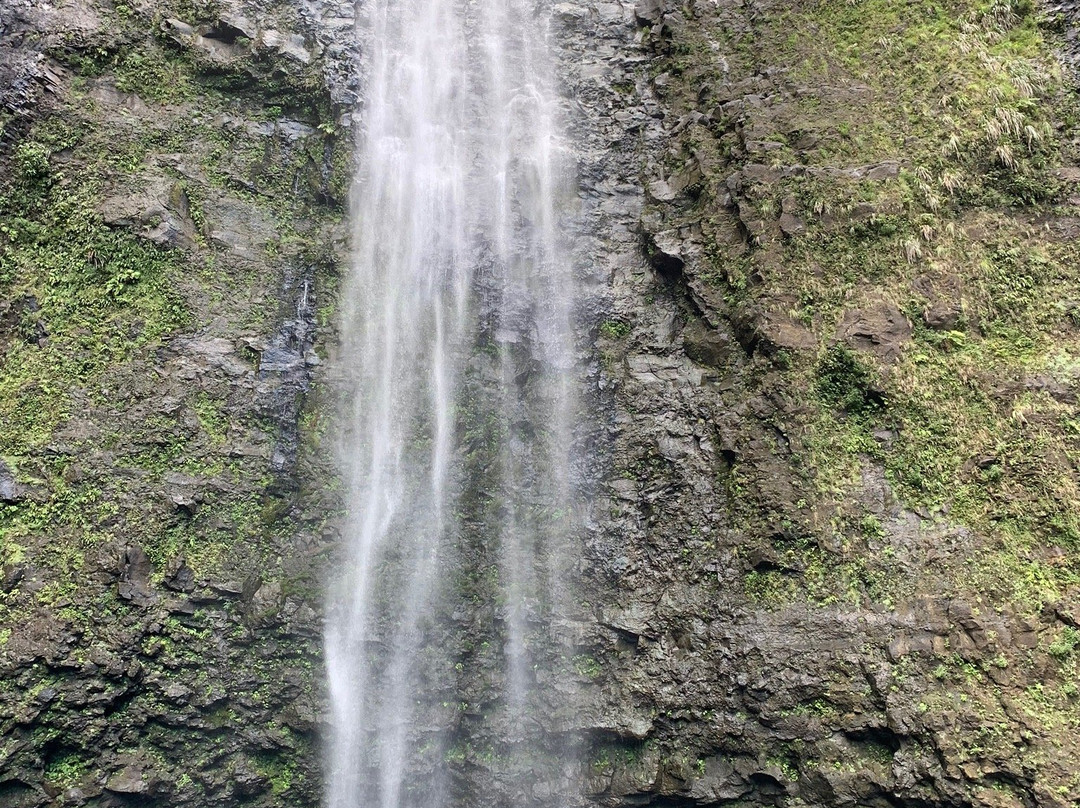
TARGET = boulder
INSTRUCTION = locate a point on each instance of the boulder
(649, 12)
(134, 582)
(159, 212)
(135, 778)
(10, 490)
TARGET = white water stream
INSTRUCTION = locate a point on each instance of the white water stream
(458, 286)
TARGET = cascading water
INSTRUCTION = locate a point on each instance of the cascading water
(458, 343)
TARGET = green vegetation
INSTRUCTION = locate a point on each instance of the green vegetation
(117, 420)
(89, 296)
(152, 72)
(1063, 647)
(964, 77)
(64, 771)
(614, 329)
(212, 420)
(804, 569)
(587, 666)
(846, 382)
(281, 771)
(92, 304)
(931, 134)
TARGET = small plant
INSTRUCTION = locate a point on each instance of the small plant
(455, 755)
(1062, 648)
(66, 770)
(614, 329)
(32, 161)
(587, 666)
(768, 588)
(871, 527)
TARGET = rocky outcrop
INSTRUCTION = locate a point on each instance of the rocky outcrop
(799, 606)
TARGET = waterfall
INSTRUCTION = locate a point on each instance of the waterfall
(457, 341)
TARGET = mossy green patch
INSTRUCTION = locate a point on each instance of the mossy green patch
(67, 769)
(918, 145)
(280, 770)
(89, 296)
(955, 88)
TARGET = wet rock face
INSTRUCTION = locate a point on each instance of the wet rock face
(759, 622)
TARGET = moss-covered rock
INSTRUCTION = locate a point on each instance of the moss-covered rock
(173, 186)
(840, 542)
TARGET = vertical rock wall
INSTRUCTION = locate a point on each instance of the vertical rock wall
(174, 178)
(833, 562)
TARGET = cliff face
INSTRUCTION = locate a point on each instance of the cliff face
(843, 518)
(832, 557)
(174, 179)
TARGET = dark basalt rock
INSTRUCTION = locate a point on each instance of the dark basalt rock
(880, 328)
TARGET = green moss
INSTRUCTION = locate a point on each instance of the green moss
(769, 587)
(212, 419)
(93, 302)
(587, 666)
(962, 88)
(281, 771)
